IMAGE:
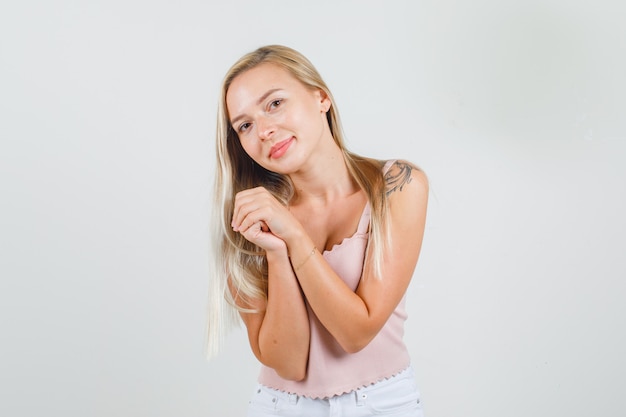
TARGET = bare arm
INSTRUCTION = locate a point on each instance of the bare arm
(354, 318)
(279, 332)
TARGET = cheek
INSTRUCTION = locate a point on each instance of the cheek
(301, 119)
(250, 147)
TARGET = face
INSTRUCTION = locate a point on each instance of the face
(279, 120)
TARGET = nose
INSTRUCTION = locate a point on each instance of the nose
(265, 128)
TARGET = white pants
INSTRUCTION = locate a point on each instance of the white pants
(394, 397)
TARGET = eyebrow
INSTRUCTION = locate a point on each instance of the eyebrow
(259, 101)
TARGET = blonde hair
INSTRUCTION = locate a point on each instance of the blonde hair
(233, 257)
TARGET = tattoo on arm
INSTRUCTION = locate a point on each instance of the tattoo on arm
(397, 176)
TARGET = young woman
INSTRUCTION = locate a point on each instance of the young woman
(314, 246)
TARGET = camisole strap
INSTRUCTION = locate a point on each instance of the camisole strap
(364, 223)
(388, 165)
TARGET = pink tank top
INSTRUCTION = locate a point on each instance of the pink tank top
(331, 371)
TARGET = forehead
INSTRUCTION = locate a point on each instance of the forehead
(250, 85)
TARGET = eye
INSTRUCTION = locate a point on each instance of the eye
(243, 127)
(275, 103)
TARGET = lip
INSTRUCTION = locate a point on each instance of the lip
(280, 148)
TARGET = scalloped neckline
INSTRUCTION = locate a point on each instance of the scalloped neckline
(354, 235)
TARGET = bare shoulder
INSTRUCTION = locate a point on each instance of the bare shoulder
(404, 177)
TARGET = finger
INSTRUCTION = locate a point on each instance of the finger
(245, 202)
(258, 201)
(253, 233)
(250, 220)
(241, 212)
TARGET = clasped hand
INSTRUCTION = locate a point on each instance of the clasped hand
(262, 219)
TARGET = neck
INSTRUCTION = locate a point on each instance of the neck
(324, 178)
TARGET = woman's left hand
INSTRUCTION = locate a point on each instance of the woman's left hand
(258, 213)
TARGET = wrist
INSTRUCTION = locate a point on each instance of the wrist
(296, 267)
(300, 248)
(277, 253)
(296, 237)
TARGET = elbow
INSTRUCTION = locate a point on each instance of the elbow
(291, 370)
(353, 347)
(296, 375)
(356, 344)
(359, 334)
(358, 338)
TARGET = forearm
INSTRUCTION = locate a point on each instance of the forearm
(342, 312)
(284, 335)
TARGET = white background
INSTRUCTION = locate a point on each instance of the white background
(515, 109)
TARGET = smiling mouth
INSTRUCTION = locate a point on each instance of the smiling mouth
(280, 148)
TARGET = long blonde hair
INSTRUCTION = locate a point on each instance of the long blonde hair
(233, 257)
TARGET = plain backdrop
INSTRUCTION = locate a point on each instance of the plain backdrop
(515, 110)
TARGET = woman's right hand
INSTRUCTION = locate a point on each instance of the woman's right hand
(262, 219)
(260, 235)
